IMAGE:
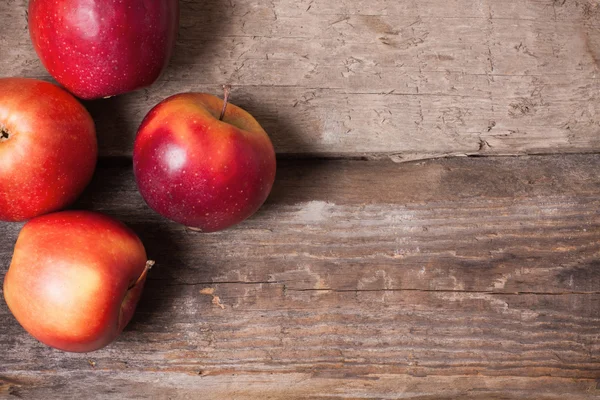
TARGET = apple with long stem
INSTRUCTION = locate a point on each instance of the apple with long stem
(75, 279)
(203, 162)
(102, 48)
(48, 148)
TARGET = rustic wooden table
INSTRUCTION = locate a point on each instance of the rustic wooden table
(362, 277)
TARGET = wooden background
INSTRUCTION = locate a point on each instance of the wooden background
(362, 277)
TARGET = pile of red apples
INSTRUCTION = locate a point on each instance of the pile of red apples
(76, 276)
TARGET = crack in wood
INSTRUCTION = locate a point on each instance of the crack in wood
(288, 288)
(521, 293)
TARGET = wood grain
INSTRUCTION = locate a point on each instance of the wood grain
(468, 278)
(378, 78)
(473, 278)
(107, 385)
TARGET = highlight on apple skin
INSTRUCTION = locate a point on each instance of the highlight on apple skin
(102, 48)
(48, 148)
(75, 279)
(203, 163)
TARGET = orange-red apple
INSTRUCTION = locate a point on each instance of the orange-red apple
(202, 162)
(48, 148)
(75, 279)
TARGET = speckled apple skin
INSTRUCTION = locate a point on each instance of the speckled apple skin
(199, 171)
(75, 279)
(101, 48)
(50, 155)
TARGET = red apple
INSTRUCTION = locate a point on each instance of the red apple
(48, 148)
(101, 48)
(75, 279)
(202, 168)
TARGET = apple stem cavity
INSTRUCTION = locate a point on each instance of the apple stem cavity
(226, 92)
(149, 265)
(4, 134)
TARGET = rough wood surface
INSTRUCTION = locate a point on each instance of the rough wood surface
(459, 278)
(401, 79)
(469, 278)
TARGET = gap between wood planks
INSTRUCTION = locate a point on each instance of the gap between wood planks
(126, 161)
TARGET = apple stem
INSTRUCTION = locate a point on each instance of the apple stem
(226, 92)
(149, 265)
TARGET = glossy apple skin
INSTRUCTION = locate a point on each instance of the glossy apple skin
(101, 48)
(199, 171)
(50, 154)
(69, 280)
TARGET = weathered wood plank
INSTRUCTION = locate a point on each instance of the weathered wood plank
(469, 277)
(108, 385)
(411, 79)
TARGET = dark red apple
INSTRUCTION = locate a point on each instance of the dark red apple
(202, 168)
(48, 148)
(101, 48)
(75, 279)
